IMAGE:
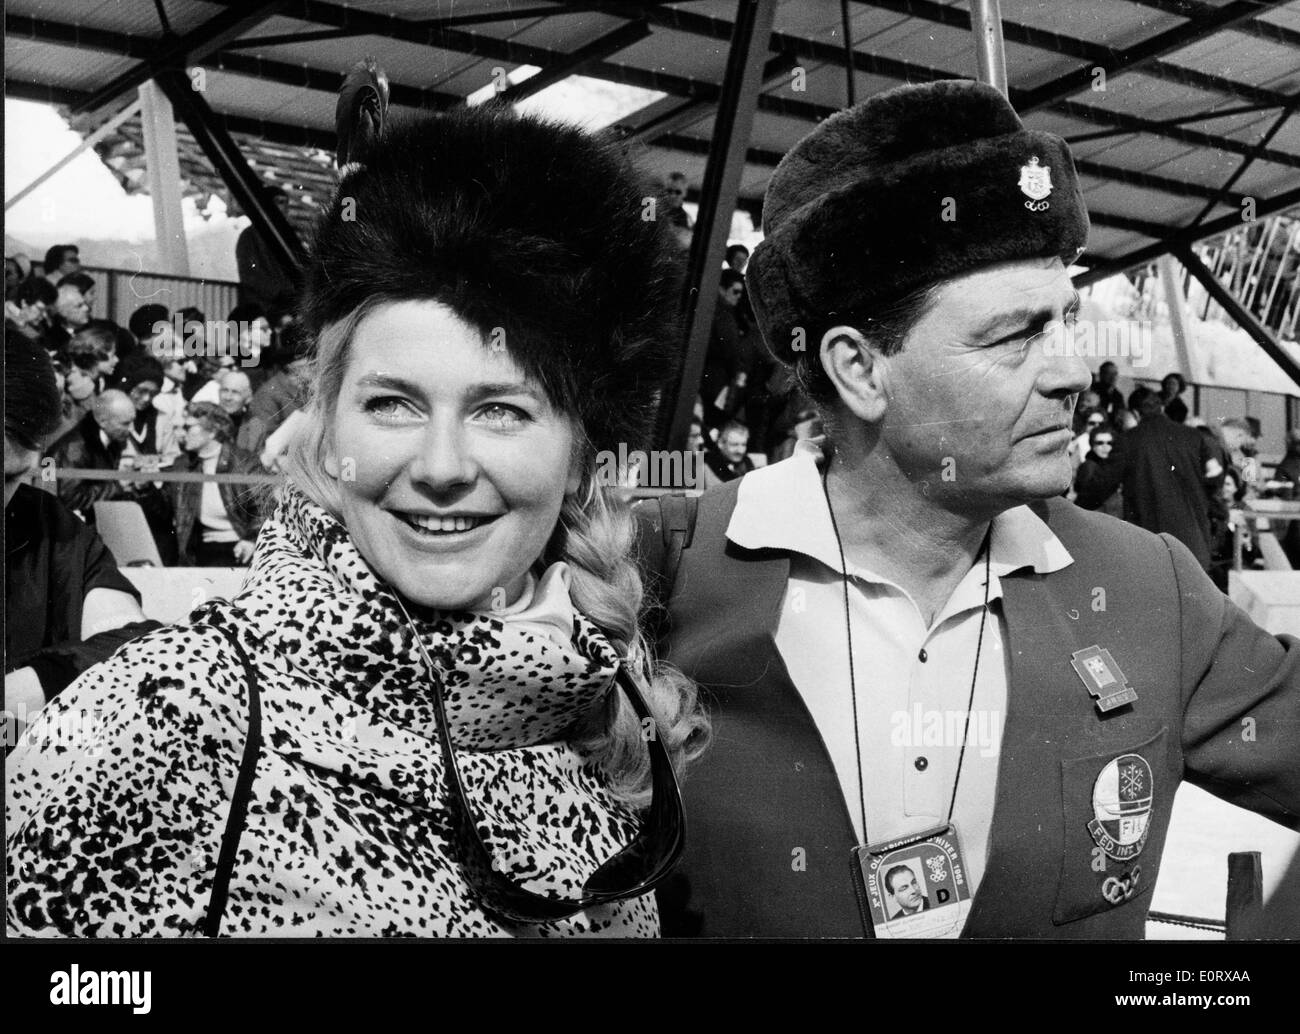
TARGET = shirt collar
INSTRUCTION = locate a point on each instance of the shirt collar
(783, 506)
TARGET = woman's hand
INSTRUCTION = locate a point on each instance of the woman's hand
(243, 550)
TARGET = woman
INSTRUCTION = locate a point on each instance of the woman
(489, 312)
(1096, 487)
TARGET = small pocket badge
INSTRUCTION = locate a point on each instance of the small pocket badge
(1121, 807)
(1105, 682)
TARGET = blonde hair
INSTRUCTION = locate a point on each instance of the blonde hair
(594, 536)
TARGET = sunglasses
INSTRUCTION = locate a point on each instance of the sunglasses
(631, 872)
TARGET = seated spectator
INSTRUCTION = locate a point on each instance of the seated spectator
(285, 390)
(14, 276)
(1092, 420)
(251, 346)
(1125, 420)
(151, 327)
(71, 309)
(737, 257)
(728, 459)
(28, 311)
(60, 261)
(216, 524)
(85, 284)
(1095, 488)
(1111, 400)
(77, 390)
(202, 367)
(97, 442)
(1135, 398)
(66, 604)
(155, 432)
(96, 343)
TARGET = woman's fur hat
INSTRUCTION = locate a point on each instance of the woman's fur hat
(534, 232)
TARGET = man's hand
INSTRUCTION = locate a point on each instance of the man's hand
(243, 551)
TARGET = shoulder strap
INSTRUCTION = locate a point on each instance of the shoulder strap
(239, 802)
(678, 514)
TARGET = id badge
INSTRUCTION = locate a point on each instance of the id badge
(916, 886)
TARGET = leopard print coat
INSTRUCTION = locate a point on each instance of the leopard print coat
(118, 798)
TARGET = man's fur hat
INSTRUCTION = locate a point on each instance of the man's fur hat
(913, 185)
(532, 231)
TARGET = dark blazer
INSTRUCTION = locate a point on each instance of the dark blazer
(241, 501)
(1162, 464)
(81, 447)
(766, 792)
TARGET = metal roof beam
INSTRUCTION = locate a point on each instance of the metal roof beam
(1186, 236)
(1140, 54)
(226, 157)
(574, 64)
(1096, 54)
(44, 31)
(1090, 113)
(1191, 8)
(180, 50)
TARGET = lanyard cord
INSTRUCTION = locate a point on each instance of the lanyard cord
(987, 550)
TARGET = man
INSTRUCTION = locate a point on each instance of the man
(97, 442)
(216, 524)
(264, 280)
(235, 395)
(724, 377)
(152, 327)
(1112, 399)
(676, 216)
(910, 896)
(1169, 473)
(71, 311)
(737, 257)
(931, 568)
(729, 459)
(28, 311)
(61, 260)
(66, 604)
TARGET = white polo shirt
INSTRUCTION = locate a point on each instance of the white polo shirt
(913, 682)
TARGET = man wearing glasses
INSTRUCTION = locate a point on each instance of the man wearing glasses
(918, 641)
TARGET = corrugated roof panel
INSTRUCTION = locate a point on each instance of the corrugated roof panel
(1138, 202)
(1147, 97)
(563, 33)
(1287, 16)
(137, 17)
(53, 65)
(1118, 25)
(1240, 57)
(1105, 242)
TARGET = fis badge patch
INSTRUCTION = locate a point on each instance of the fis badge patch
(1121, 807)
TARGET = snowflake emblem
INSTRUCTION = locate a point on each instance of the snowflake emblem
(1131, 782)
(937, 871)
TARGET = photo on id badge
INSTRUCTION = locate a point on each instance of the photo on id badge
(917, 890)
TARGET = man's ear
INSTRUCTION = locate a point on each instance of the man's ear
(856, 370)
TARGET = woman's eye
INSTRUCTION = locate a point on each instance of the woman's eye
(387, 405)
(500, 413)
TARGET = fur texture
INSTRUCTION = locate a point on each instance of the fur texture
(524, 227)
(856, 214)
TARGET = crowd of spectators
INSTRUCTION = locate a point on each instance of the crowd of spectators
(167, 392)
(1147, 460)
